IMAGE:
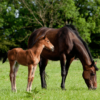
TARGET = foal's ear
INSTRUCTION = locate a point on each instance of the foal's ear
(45, 36)
(42, 37)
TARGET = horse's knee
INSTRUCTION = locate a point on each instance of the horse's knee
(32, 79)
(63, 72)
(42, 72)
(11, 76)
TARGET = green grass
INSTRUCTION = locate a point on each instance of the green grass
(76, 88)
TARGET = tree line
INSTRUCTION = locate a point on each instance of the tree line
(19, 18)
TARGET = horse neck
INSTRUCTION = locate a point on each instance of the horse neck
(82, 54)
(37, 48)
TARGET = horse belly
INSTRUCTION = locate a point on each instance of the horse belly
(50, 55)
(21, 59)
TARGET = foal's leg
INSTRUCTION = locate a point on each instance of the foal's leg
(42, 64)
(30, 67)
(33, 74)
(63, 70)
(15, 73)
(12, 65)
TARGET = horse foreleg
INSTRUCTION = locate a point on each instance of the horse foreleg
(69, 61)
(42, 64)
(15, 73)
(33, 74)
(12, 65)
(29, 77)
(63, 70)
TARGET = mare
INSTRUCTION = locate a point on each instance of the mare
(30, 58)
(67, 43)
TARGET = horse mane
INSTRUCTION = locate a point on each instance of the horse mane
(73, 28)
(35, 36)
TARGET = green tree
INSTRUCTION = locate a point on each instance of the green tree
(19, 18)
(90, 11)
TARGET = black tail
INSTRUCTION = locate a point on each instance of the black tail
(5, 57)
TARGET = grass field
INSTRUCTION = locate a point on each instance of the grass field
(76, 88)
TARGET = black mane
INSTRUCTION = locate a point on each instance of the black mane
(32, 38)
(72, 27)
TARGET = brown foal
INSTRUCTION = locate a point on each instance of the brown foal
(30, 58)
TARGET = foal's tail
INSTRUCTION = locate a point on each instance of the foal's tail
(5, 57)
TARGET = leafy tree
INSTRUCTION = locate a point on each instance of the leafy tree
(19, 18)
(90, 11)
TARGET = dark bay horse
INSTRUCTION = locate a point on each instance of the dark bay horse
(30, 58)
(67, 43)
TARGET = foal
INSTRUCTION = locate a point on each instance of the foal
(30, 58)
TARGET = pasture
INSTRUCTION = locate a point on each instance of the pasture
(76, 88)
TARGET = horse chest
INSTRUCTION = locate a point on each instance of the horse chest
(36, 60)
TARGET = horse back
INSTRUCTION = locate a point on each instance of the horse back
(61, 38)
(13, 53)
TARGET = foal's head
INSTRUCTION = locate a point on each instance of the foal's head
(47, 44)
(90, 77)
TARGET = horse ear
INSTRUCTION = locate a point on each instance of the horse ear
(92, 63)
(45, 36)
(95, 62)
(42, 37)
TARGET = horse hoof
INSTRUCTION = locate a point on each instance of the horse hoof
(14, 90)
(44, 87)
(63, 89)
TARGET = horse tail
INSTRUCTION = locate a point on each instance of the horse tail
(5, 57)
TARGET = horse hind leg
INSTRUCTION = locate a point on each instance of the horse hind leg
(12, 65)
(15, 73)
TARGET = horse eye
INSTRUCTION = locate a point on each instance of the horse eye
(47, 41)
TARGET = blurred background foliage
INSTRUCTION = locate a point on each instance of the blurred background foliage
(19, 18)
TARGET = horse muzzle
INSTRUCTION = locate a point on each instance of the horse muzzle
(92, 88)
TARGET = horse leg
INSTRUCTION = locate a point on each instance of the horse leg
(15, 73)
(12, 65)
(29, 77)
(69, 61)
(33, 74)
(63, 70)
(42, 64)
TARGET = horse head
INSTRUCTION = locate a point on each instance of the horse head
(89, 76)
(47, 44)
